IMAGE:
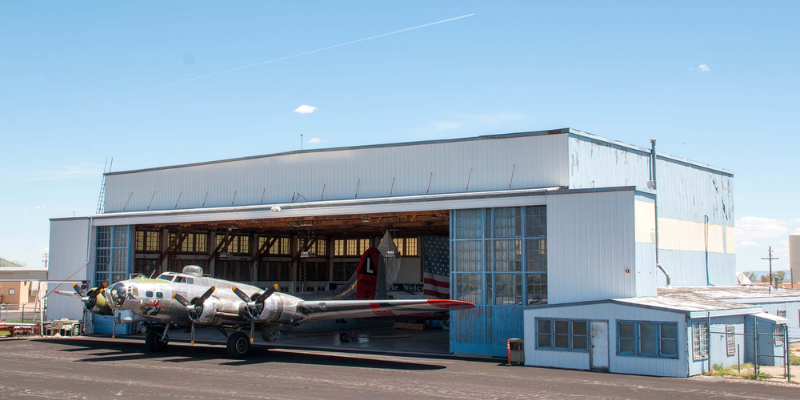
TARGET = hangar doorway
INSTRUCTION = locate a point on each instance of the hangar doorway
(305, 255)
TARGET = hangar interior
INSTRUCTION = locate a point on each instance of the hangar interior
(300, 254)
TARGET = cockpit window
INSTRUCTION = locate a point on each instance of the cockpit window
(118, 294)
(190, 281)
(165, 277)
(180, 279)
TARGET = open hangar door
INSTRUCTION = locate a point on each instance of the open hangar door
(308, 255)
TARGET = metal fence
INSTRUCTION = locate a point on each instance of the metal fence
(12, 312)
(760, 354)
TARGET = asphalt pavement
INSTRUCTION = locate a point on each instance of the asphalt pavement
(99, 368)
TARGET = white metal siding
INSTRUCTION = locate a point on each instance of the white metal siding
(540, 162)
(607, 312)
(590, 240)
(68, 242)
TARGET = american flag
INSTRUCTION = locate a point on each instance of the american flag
(436, 266)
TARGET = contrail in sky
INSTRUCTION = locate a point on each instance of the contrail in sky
(277, 59)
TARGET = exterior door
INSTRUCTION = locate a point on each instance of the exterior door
(599, 342)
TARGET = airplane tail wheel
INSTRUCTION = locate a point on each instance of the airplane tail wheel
(154, 342)
(344, 337)
(238, 345)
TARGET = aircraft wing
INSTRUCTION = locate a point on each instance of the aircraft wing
(67, 293)
(320, 310)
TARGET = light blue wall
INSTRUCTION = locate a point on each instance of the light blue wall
(792, 314)
(688, 268)
(717, 345)
(686, 192)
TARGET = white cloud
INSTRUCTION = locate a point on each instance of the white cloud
(704, 68)
(446, 125)
(305, 109)
(46, 250)
(315, 140)
(40, 207)
(747, 243)
(754, 228)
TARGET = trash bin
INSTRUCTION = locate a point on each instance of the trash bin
(516, 351)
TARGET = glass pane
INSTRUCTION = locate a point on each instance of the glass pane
(120, 236)
(120, 260)
(626, 330)
(544, 340)
(508, 289)
(536, 221)
(544, 326)
(536, 255)
(647, 330)
(562, 327)
(468, 255)
(468, 224)
(507, 222)
(579, 343)
(647, 346)
(489, 291)
(507, 255)
(669, 347)
(469, 288)
(579, 327)
(626, 346)
(562, 341)
(669, 331)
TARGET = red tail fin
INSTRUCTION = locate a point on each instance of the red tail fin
(367, 274)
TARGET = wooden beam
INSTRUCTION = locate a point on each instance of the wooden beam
(174, 245)
(264, 249)
(223, 244)
(307, 246)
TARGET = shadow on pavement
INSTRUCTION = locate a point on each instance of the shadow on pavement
(115, 351)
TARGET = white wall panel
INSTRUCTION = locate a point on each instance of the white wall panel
(590, 246)
(540, 162)
(68, 243)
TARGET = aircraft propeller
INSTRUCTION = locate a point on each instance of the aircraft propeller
(255, 304)
(90, 297)
(195, 310)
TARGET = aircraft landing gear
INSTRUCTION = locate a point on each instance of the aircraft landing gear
(238, 345)
(156, 339)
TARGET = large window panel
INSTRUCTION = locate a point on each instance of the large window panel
(469, 288)
(468, 255)
(468, 224)
(536, 287)
(536, 255)
(508, 289)
(536, 221)
(507, 222)
(507, 255)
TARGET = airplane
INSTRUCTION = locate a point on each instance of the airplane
(189, 298)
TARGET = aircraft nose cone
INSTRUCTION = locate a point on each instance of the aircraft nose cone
(118, 294)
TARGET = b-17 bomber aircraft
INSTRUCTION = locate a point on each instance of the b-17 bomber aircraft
(191, 299)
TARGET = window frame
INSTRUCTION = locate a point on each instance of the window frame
(570, 334)
(699, 340)
(658, 338)
(730, 339)
(778, 335)
(350, 251)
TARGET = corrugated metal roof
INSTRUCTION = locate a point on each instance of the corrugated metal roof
(439, 141)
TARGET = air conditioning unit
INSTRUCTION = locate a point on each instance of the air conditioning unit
(307, 254)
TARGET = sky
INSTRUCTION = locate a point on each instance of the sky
(714, 81)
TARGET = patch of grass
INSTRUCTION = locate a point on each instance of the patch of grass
(748, 371)
(5, 333)
(794, 359)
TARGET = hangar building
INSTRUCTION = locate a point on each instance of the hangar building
(512, 222)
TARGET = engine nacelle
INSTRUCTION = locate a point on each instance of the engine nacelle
(280, 309)
(206, 314)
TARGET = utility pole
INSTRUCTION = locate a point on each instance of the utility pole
(301, 141)
(45, 259)
(770, 258)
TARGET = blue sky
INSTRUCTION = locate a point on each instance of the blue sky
(717, 82)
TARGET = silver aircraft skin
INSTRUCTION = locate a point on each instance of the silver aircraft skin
(190, 299)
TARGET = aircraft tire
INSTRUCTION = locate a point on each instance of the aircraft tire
(238, 345)
(154, 343)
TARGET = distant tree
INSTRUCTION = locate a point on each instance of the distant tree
(780, 276)
(764, 278)
(751, 276)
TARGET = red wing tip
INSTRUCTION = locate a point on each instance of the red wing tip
(451, 304)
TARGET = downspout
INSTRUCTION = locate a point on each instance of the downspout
(653, 159)
(708, 278)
